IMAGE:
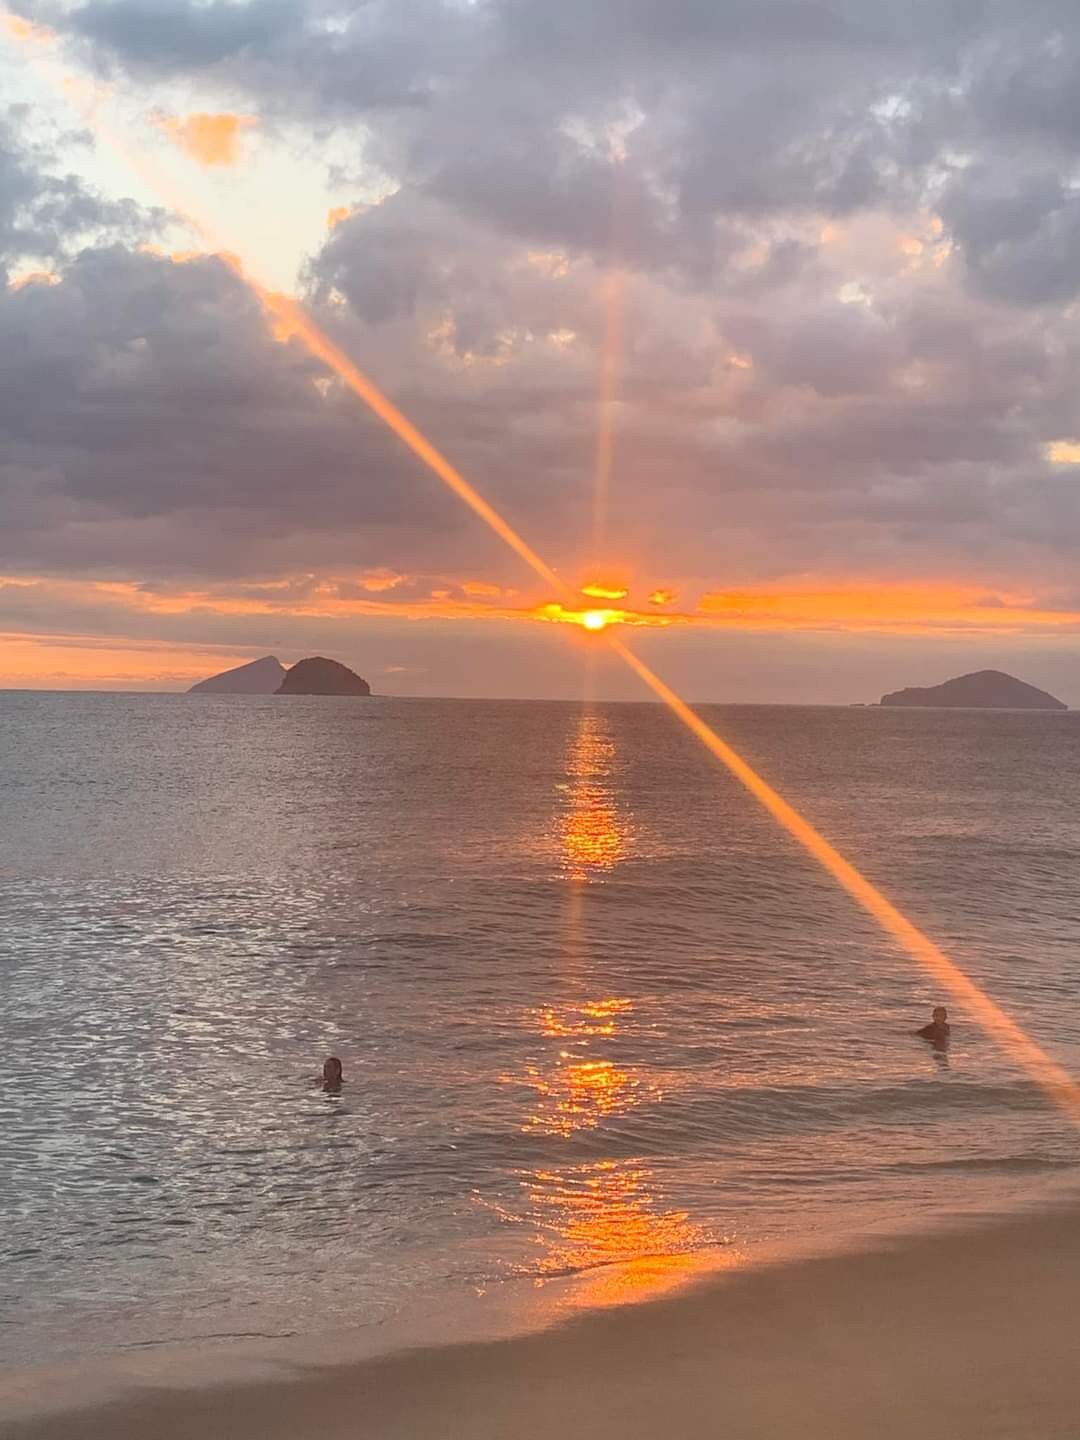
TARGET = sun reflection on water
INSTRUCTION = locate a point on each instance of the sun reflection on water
(601, 1220)
(593, 835)
(577, 1095)
(594, 1017)
(575, 1089)
(597, 1216)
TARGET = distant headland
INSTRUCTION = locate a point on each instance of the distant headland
(313, 676)
(982, 690)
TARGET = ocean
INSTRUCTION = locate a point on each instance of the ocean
(601, 1021)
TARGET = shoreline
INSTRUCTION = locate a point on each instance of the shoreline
(956, 1333)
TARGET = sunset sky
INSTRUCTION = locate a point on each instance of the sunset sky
(757, 319)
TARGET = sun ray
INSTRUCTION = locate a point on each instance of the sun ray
(610, 374)
(613, 302)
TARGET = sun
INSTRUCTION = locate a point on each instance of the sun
(594, 619)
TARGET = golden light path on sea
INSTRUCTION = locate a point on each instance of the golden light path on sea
(292, 320)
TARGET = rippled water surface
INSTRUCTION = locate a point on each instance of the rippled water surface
(596, 1012)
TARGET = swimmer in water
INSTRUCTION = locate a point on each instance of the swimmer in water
(331, 1075)
(939, 1030)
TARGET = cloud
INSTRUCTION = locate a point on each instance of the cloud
(210, 140)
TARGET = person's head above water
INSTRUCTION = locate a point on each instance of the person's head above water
(939, 1029)
(331, 1073)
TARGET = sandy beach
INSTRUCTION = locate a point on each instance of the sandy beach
(951, 1335)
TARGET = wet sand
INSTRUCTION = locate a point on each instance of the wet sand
(969, 1336)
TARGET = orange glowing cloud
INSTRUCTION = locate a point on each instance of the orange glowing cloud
(33, 277)
(376, 581)
(25, 32)
(482, 590)
(1063, 452)
(662, 596)
(337, 215)
(604, 592)
(212, 141)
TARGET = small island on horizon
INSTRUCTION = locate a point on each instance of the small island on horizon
(981, 690)
(267, 676)
(319, 676)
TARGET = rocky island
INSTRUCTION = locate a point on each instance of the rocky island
(319, 676)
(260, 677)
(983, 690)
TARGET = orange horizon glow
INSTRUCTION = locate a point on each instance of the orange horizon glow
(917, 607)
(86, 662)
(900, 609)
